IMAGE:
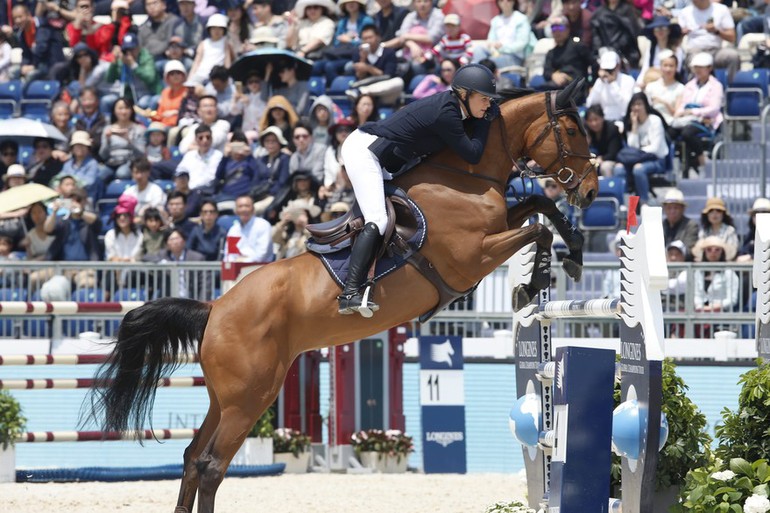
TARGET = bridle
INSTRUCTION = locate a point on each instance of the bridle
(567, 176)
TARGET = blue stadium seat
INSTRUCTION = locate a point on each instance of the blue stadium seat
(612, 188)
(88, 295)
(414, 83)
(746, 94)
(166, 185)
(317, 85)
(225, 222)
(38, 98)
(130, 295)
(10, 96)
(536, 81)
(603, 214)
(75, 327)
(515, 78)
(340, 84)
(13, 294)
(116, 187)
(385, 112)
(175, 153)
(721, 75)
(25, 155)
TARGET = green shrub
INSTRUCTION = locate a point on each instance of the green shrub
(12, 423)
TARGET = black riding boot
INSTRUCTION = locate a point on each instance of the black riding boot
(364, 249)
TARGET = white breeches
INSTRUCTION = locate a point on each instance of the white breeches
(367, 176)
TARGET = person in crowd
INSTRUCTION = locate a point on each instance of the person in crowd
(155, 33)
(81, 71)
(88, 117)
(310, 29)
(646, 146)
(707, 24)
(148, 194)
(364, 110)
(123, 242)
(176, 51)
(664, 93)
(152, 232)
(333, 157)
(673, 298)
(207, 238)
(221, 87)
(238, 29)
(190, 28)
(604, 138)
(14, 177)
(264, 19)
(177, 217)
(61, 118)
(193, 197)
(436, 83)
(454, 44)
(83, 166)
(192, 284)
(309, 155)
(614, 88)
(321, 118)
(715, 220)
(76, 237)
(281, 114)
(44, 166)
(36, 242)
(9, 154)
(579, 21)
(133, 70)
(123, 140)
(208, 115)
(334, 211)
(375, 62)
(271, 178)
(250, 106)
(202, 163)
(82, 28)
(171, 97)
(347, 37)
(676, 225)
(510, 39)
(253, 234)
(715, 290)
(389, 18)
(746, 252)
(156, 149)
(214, 50)
(289, 233)
(101, 38)
(616, 25)
(567, 60)
(698, 112)
(42, 45)
(665, 37)
(303, 194)
(421, 29)
(236, 171)
(286, 85)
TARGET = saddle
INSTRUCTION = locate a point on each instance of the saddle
(404, 236)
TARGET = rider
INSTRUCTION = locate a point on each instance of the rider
(378, 151)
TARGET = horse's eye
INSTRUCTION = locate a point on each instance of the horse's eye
(571, 132)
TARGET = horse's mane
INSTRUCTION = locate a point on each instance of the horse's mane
(512, 93)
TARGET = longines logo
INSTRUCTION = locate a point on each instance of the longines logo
(444, 437)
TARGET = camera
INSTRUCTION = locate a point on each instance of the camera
(365, 47)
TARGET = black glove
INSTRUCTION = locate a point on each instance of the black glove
(493, 112)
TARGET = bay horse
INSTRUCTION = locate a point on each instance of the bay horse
(249, 337)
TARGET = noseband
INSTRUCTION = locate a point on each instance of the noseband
(567, 176)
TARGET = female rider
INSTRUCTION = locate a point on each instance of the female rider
(378, 151)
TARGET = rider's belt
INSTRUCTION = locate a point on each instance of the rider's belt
(392, 157)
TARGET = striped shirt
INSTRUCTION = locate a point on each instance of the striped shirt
(459, 49)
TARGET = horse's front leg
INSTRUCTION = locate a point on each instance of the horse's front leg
(572, 263)
(501, 246)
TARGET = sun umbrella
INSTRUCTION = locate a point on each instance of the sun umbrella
(24, 196)
(475, 15)
(24, 131)
(257, 60)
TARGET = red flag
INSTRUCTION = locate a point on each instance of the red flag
(633, 202)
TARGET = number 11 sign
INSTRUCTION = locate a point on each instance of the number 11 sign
(442, 397)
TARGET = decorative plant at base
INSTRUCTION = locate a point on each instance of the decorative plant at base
(12, 423)
(290, 440)
(688, 442)
(508, 507)
(387, 443)
(743, 438)
(264, 426)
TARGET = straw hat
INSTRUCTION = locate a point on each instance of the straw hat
(343, 2)
(674, 196)
(712, 240)
(339, 207)
(300, 7)
(715, 204)
(276, 132)
(761, 205)
(81, 137)
(15, 170)
(293, 209)
(263, 36)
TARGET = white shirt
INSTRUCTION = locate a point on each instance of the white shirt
(650, 137)
(256, 241)
(694, 20)
(151, 196)
(202, 168)
(658, 92)
(122, 245)
(219, 131)
(613, 96)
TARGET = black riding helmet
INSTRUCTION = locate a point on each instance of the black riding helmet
(476, 77)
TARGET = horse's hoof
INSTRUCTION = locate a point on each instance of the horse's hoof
(522, 296)
(181, 509)
(572, 268)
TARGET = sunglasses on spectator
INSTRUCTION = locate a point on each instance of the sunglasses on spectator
(302, 136)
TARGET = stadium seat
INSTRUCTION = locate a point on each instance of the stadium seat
(336, 91)
(75, 327)
(317, 85)
(721, 75)
(612, 188)
(746, 94)
(130, 295)
(385, 112)
(603, 214)
(225, 222)
(515, 78)
(13, 294)
(38, 98)
(116, 187)
(166, 185)
(25, 155)
(536, 81)
(10, 96)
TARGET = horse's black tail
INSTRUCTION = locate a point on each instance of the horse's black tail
(149, 342)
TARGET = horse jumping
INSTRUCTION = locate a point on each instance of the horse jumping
(250, 336)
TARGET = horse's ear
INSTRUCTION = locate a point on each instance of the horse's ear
(565, 97)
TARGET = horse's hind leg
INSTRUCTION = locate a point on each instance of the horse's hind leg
(190, 477)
